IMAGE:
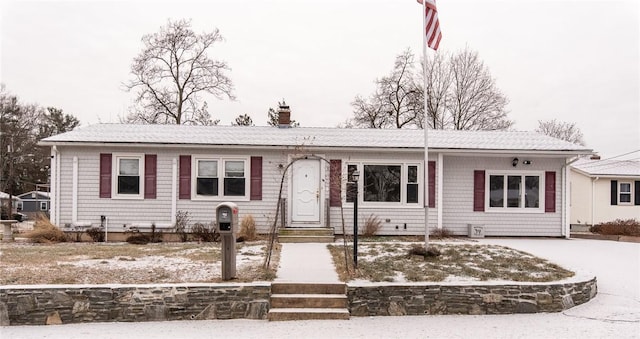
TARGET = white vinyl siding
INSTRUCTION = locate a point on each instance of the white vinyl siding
(458, 198)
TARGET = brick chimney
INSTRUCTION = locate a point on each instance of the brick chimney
(284, 115)
(595, 157)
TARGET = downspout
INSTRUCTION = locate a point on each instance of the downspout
(593, 199)
(55, 191)
(566, 232)
(440, 188)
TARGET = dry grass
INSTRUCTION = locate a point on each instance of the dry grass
(100, 263)
(371, 226)
(248, 228)
(470, 262)
(44, 232)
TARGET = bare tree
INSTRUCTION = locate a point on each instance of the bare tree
(461, 94)
(396, 102)
(439, 79)
(173, 72)
(243, 120)
(476, 103)
(561, 130)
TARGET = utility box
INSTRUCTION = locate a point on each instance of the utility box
(476, 231)
(227, 226)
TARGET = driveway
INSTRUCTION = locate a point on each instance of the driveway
(614, 313)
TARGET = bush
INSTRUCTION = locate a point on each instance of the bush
(371, 226)
(205, 233)
(139, 239)
(421, 251)
(156, 236)
(96, 234)
(248, 229)
(182, 220)
(618, 227)
(45, 232)
(441, 233)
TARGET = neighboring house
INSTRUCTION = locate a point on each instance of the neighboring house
(34, 202)
(513, 183)
(4, 203)
(604, 190)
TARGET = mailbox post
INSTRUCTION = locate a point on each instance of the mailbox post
(227, 225)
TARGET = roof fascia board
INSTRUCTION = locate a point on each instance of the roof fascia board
(445, 151)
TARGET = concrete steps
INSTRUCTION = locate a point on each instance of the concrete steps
(301, 235)
(308, 301)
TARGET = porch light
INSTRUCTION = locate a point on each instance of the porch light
(355, 176)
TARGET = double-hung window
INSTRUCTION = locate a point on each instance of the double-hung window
(128, 172)
(207, 177)
(624, 190)
(234, 179)
(220, 178)
(515, 191)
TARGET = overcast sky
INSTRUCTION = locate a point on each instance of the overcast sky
(575, 61)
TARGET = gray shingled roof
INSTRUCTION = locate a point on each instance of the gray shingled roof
(312, 136)
(621, 168)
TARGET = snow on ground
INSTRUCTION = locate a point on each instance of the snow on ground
(614, 313)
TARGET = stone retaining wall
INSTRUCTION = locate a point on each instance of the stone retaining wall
(420, 299)
(40, 305)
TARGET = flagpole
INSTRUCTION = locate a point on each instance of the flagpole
(425, 125)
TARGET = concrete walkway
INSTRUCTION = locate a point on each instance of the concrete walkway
(306, 262)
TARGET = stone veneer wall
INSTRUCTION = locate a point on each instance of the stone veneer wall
(40, 305)
(420, 299)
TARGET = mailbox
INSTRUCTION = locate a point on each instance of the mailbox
(227, 218)
(227, 226)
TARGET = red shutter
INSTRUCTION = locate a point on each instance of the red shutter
(478, 191)
(335, 183)
(256, 178)
(185, 177)
(550, 192)
(432, 184)
(150, 166)
(105, 175)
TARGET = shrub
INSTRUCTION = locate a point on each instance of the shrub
(138, 239)
(248, 229)
(45, 232)
(421, 251)
(441, 233)
(618, 227)
(182, 221)
(156, 236)
(371, 226)
(205, 233)
(96, 234)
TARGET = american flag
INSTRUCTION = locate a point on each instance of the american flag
(432, 24)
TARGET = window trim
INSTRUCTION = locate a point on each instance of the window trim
(523, 174)
(630, 192)
(404, 168)
(221, 163)
(115, 166)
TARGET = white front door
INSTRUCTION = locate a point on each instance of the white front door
(305, 189)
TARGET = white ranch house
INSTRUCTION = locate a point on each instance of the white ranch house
(604, 190)
(513, 183)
